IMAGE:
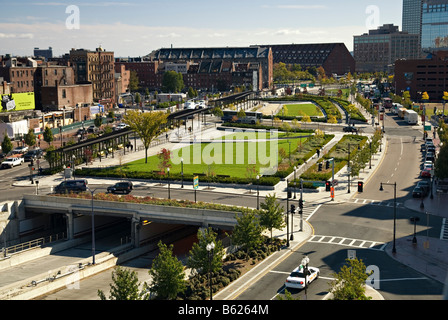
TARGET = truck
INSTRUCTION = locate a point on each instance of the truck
(401, 112)
(12, 162)
(395, 107)
(411, 117)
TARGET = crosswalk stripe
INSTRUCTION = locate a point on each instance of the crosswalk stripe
(375, 202)
(349, 242)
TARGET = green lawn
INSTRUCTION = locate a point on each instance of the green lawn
(302, 109)
(230, 158)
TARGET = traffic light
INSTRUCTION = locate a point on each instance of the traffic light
(289, 193)
(293, 208)
(300, 204)
(327, 186)
(360, 186)
(319, 166)
(327, 164)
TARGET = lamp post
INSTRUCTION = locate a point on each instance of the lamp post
(210, 246)
(93, 227)
(348, 164)
(182, 171)
(415, 220)
(73, 166)
(304, 263)
(394, 250)
(169, 191)
(258, 192)
(295, 168)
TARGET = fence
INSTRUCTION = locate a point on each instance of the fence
(32, 244)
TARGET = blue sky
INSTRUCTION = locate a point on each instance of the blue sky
(135, 27)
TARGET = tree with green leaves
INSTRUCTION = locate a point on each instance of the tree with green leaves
(124, 286)
(349, 283)
(247, 231)
(198, 257)
(271, 214)
(172, 81)
(134, 82)
(147, 125)
(30, 138)
(98, 120)
(167, 273)
(7, 144)
(48, 135)
(441, 165)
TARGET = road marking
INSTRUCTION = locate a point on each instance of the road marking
(444, 230)
(348, 242)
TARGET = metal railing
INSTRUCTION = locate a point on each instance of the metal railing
(32, 244)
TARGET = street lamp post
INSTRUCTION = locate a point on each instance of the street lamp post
(93, 227)
(394, 250)
(182, 171)
(258, 192)
(348, 164)
(210, 246)
(415, 220)
(295, 168)
(169, 191)
(304, 263)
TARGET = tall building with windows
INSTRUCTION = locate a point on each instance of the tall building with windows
(96, 67)
(379, 49)
(412, 17)
(434, 25)
(428, 19)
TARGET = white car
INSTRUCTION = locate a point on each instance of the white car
(296, 279)
(428, 164)
(12, 162)
(121, 126)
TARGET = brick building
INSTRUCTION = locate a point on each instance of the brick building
(420, 75)
(333, 57)
(96, 67)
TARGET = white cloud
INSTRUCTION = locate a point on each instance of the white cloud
(117, 37)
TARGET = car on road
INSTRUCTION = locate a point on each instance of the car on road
(428, 164)
(121, 126)
(430, 157)
(33, 154)
(123, 186)
(92, 129)
(418, 192)
(424, 184)
(296, 279)
(12, 162)
(20, 150)
(426, 173)
(350, 129)
(67, 186)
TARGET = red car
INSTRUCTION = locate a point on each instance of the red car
(426, 173)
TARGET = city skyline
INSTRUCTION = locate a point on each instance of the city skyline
(136, 28)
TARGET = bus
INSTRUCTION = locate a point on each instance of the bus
(387, 103)
(401, 112)
(251, 116)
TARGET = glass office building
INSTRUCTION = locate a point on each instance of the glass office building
(412, 17)
(434, 21)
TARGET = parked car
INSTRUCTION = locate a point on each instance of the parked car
(12, 162)
(296, 279)
(33, 154)
(430, 157)
(121, 126)
(428, 164)
(350, 129)
(67, 186)
(425, 173)
(20, 150)
(426, 187)
(124, 187)
(92, 129)
(418, 192)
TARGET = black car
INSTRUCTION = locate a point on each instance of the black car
(33, 155)
(67, 186)
(124, 187)
(425, 186)
(418, 192)
(350, 129)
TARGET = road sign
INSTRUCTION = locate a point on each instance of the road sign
(427, 128)
(196, 182)
(319, 184)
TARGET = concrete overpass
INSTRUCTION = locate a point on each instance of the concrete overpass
(78, 211)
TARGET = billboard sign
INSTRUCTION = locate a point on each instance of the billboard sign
(17, 101)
